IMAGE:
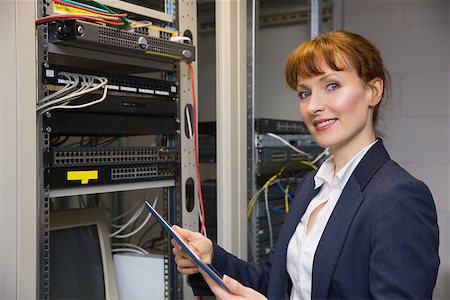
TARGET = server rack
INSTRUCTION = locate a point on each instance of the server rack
(278, 172)
(137, 105)
(265, 156)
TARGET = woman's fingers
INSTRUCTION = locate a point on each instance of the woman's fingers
(185, 266)
(184, 262)
(177, 250)
(238, 291)
(236, 288)
(198, 243)
(218, 291)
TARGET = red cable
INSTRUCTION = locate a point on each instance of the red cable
(88, 9)
(73, 16)
(197, 169)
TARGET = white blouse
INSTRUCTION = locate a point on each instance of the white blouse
(303, 245)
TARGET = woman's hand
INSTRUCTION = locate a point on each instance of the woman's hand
(198, 243)
(238, 291)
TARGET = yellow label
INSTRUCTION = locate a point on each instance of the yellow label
(64, 9)
(84, 176)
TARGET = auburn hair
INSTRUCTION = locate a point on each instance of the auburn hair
(340, 50)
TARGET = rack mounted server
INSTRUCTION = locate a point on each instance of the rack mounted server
(92, 36)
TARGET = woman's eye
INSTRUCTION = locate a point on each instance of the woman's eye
(332, 86)
(303, 95)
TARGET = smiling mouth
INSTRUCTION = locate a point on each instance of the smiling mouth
(321, 123)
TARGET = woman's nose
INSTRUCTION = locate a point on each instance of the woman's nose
(315, 104)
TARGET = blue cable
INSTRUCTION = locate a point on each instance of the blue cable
(284, 191)
(278, 210)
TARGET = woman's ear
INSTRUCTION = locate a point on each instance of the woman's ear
(376, 87)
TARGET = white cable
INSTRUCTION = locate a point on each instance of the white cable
(74, 80)
(254, 195)
(324, 152)
(260, 190)
(288, 144)
(116, 250)
(130, 221)
(71, 84)
(68, 96)
(141, 226)
(269, 219)
(105, 92)
(85, 89)
(123, 236)
(130, 210)
(136, 247)
(180, 39)
(147, 23)
(66, 106)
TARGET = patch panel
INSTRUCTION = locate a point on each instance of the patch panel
(116, 82)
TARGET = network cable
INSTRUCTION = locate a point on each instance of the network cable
(73, 90)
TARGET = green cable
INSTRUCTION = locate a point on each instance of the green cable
(124, 19)
(87, 6)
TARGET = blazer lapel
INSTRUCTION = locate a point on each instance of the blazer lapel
(278, 280)
(333, 237)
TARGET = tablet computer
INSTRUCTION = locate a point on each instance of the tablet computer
(207, 268)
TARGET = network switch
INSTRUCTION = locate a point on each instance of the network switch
(280, 126)
(296, 140)
(107, 174)
(285, 154)
(93, 156)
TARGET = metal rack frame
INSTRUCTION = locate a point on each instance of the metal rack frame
(173, 190)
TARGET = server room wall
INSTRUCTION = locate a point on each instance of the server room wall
(414, 40)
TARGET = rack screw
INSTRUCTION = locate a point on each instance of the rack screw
(80, 30)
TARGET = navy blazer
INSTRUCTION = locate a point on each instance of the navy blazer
(381, 240)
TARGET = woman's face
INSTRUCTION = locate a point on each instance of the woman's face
(336, 107)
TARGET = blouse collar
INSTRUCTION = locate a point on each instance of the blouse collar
(326, 170)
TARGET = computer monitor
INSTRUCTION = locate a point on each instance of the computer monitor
(81, 264)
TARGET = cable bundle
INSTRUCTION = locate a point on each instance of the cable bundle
(76, 10)
(135, 216)
(77, 86)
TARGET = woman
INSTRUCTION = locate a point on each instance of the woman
(359, 227)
